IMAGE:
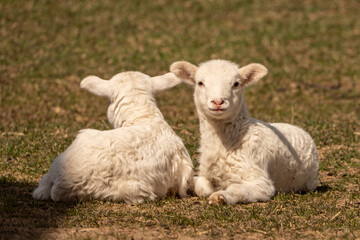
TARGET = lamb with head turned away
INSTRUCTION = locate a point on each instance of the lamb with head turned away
(244, 159)
(141, 159)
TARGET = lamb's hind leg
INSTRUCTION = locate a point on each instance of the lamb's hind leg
(245, 192)
(185, 179)
(42, 192)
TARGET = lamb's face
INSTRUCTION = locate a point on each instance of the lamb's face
(218, 93)
(218, 85)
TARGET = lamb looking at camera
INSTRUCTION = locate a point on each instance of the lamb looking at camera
(142, 158)
(243, 159)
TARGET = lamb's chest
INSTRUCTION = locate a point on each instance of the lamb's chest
(219, 170)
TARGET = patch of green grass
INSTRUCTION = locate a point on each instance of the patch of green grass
(47, 47)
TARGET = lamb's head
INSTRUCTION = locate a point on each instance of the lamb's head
(219, 85)
(128, 89)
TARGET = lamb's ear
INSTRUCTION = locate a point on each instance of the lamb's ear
(164, 82)
(252, 73)
(97, 86)
(185, 71)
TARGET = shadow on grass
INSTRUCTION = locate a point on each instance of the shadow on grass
(323, 188)
(21, 214)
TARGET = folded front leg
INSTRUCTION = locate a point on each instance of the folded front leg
(256, 190)
(203, 187)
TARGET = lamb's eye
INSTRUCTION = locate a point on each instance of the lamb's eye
(236, 84)
(200, 84)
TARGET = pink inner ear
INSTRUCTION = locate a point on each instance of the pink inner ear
(248, 78)
(185, 74)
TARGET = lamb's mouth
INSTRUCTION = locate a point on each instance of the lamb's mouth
(217, 110)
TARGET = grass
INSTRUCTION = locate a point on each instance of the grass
(311, 49)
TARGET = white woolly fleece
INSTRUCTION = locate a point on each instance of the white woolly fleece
(243, 159)
(142, 158)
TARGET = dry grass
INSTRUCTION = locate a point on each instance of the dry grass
(310, 47)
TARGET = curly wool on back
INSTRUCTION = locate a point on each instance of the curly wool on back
(142, 158)
(244, 159)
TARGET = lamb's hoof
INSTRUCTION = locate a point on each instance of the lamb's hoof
(217, 199)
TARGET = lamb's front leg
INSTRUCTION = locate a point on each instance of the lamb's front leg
(248, 191)
(203, 187)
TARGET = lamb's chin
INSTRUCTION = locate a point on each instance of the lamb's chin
(217, 114)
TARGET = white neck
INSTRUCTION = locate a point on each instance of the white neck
(226, 132)
(136, 111)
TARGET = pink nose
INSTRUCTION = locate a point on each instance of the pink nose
(218, 102)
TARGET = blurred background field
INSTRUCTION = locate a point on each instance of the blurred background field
(311, 49)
